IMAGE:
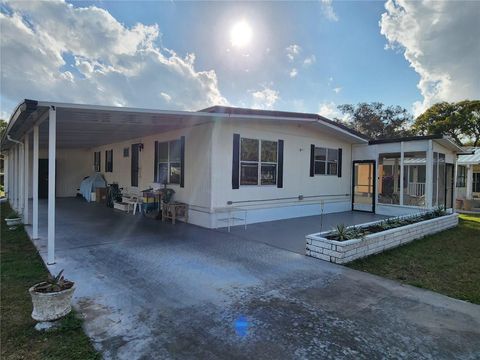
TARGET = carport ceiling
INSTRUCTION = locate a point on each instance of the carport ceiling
(81, 128)
(86, 126)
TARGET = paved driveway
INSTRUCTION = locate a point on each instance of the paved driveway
(153, 291)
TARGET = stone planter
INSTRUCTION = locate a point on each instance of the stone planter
(342, 252)
(51, 306)
(13, 221)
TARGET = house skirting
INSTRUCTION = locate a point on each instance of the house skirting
(261, 213)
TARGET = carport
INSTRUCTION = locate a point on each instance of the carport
(37, 126)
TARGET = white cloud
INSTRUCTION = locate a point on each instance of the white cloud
(113, 64)
(293, 51)
(440, 41)
(265, 98)
(167, 97)
(293, 72)
(309, 60)
(328, 11)
(329, 110)
(337, 90)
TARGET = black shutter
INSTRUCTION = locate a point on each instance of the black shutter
(106, 160)
(111, 160)
(280, 164)
(236, 162)
(155, 163)
(312, 160)
(182, 161)
(339, 170)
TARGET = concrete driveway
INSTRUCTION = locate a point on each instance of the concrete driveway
(156, 291)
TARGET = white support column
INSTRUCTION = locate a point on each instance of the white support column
(429, 176)
(402, 173)
(6, 173)
(454, 189)
(12, 177)
(469, 194)
(35, 183)
(15, 178)
(26, 176)
(21, 169)
(52, 142)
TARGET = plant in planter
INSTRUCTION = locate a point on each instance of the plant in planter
(52, 298)
(13, 219)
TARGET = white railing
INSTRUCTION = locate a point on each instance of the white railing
(416, 189)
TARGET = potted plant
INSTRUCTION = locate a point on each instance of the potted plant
(13, 219)
(52, 298)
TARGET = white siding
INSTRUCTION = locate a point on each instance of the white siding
(197, 190)
(72, 166)
(296, 170)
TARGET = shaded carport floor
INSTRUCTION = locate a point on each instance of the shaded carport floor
(153, 290)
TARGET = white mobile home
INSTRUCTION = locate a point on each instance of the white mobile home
(254, 165)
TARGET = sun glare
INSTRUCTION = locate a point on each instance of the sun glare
(241, 34)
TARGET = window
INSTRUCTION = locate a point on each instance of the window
(126, 152)
(96, 161)
(476, 182)
(389, 178)
(109, 161)
(461, 176)
(326, 161)
(258, 162)
(169, 162)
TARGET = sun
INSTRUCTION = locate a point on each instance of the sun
(240, 34)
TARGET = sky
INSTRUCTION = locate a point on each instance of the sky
(293, 56)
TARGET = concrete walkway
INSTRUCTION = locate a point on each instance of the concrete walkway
(155, 291)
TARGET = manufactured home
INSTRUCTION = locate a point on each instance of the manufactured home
(240, 165)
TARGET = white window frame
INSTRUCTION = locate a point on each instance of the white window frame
(315, 161)
(259, 163)
(168, 162)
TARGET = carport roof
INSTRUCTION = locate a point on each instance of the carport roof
(80, 125)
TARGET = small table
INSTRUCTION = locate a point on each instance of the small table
(174, 210)
(230, 216)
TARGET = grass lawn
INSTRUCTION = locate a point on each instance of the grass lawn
(21, 267)
(447, 262)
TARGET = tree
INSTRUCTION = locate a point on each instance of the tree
(3, 127)
(376, 120)
(460, 121)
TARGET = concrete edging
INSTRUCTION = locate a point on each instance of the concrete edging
(341, 252)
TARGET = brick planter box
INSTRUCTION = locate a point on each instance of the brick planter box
(342, 252)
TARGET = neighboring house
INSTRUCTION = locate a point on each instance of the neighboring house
(268, 164)
(468, 175)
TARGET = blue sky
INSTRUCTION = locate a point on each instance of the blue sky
(350, 50)
(340, 54)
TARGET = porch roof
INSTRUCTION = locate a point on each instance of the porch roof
(85, 126)
(473, 158)
(440, 139)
